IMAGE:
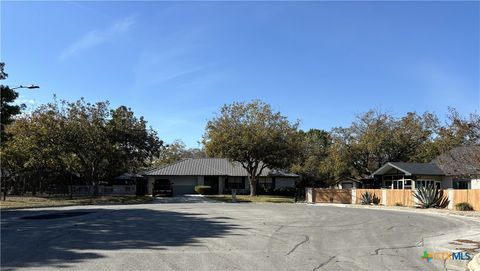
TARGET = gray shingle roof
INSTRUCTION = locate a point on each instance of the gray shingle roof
(459, 161)
(419, 168)
(411, 168)
(209, 167)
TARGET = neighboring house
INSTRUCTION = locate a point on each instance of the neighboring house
(219, 173)
(457, 169)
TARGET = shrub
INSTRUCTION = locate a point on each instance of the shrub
(369, 198)
(203, 189)
(264, 190)
(285, 191)
(463, 206)
(430, 197)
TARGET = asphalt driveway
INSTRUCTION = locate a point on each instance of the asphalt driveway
(221, 236)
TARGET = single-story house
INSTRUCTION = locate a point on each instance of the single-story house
(458, 169)
(219, 173)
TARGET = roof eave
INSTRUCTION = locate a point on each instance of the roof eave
(390, 165)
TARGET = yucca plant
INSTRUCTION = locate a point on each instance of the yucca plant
(430, 197)
(369, 198)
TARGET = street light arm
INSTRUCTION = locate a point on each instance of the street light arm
(32, 86)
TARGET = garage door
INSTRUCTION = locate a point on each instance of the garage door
(183, 186)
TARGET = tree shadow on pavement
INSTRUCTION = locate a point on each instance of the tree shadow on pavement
(55, 239)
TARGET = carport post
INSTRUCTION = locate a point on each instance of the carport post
(414, 199)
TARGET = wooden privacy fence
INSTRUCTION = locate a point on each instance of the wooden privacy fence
(399, 197)
(471, 196)
(389, 197)
(333, 195)
(376, 192)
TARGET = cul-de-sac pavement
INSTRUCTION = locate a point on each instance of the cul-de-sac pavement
(186, 234)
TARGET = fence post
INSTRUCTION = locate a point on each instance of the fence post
(309, 197)
(414, 199)
(384, 197)
(354, 195)
(450, 198)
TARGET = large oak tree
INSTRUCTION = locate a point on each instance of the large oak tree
(253, 135)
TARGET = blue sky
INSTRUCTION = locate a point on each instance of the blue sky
(176, 63)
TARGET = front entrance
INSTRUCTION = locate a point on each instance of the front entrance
(212, 181)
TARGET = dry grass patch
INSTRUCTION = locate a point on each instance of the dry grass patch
(37, 202)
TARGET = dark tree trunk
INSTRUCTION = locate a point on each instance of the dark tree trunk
(34, 188)
(95, 180)
(70, 188)
(253, 185)
(24, 188)
(95, 188)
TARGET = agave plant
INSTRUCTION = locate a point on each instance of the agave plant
(430, 197)
(369, 198)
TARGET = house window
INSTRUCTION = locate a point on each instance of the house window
(398, 184)
(461, 183)
(427, 183)
(388, 184)
(235, 183)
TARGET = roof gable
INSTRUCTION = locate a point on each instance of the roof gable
(410, 168)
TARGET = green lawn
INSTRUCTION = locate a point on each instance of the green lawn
(36, 202)
(257, 199)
